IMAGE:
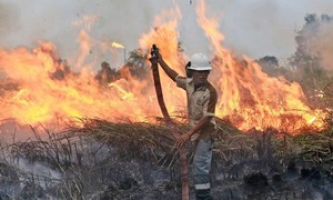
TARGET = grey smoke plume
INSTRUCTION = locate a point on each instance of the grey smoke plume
(8, 20)
(255, 28)
(321, 41)
(314, 43)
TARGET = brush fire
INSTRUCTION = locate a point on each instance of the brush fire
(39, 87)
(98, 132)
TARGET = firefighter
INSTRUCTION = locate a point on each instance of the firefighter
(201, 99)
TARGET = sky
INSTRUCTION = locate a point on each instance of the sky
(255, 28)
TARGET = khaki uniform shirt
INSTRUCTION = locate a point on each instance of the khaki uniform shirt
(201, 102)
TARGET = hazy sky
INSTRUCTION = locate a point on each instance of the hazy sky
(252, 27)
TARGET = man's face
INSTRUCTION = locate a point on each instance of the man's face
(200, 77)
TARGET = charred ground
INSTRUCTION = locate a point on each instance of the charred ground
(106, 160)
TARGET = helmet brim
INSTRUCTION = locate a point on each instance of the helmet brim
(205, 68)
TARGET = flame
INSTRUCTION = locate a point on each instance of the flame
(39, 87)
(117, 45)
(46, 92)
(249, 97)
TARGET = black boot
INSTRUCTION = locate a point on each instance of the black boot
(203, 195)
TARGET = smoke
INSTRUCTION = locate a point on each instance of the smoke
(256, 28)
(325, 47)
(314, 43)
(119, 21)
(321, 42)
(8, 20)
(267, 27)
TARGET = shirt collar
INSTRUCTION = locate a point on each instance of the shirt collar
(202, 87)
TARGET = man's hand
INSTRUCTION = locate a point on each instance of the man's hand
(183, 138)
(153, 61)
(159, 56)
(156, 60)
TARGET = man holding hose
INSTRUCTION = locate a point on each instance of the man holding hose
(201, 102)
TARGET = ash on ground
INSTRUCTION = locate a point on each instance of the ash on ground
(96, 166)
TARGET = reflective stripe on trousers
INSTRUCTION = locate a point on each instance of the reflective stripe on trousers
(202, 165)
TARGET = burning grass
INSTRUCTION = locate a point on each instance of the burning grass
(104, 159)
(137, 139)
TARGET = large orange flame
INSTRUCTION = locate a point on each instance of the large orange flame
(249, 97)
(43, 91)
(38, 87)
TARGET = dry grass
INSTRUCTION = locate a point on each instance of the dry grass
(139, 138)
(73, 153)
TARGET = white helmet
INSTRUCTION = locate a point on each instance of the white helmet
(200, 62)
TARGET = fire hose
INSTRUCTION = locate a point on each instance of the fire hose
(171, 125)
